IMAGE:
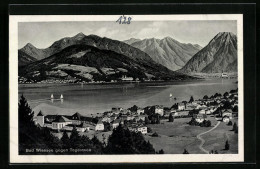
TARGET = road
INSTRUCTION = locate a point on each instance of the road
(203, 141)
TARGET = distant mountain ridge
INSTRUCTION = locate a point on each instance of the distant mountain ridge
(167, 51)
(219, 55)
(87, 63)
(91, 40)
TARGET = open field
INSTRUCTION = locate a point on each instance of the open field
(177, 136)
(216, 139)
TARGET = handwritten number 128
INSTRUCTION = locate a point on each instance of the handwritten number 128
(124, 20)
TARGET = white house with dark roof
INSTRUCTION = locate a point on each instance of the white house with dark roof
(116, 123)
(200, 117)
(140, 111)
(60, 122)
(159, 110)
(100, 126)
(181, 106)
(226, 115)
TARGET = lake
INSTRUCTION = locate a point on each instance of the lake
(90, 99)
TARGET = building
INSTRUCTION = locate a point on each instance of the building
(140, 111)
(117, 110)
(159, 110)
(208, 112)
(125, 78)
(99, 126)
(181, 106)
(40, 119)
(116, 123)
(76, 118)
(191, 106)
(138, 128)
(202, 111)
(200, 117)
(226, 115)
(141, 117)
(60, 122)
(203, 107)
(224, 75)
(83, 127)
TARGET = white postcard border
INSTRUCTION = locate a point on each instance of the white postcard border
(13, 95)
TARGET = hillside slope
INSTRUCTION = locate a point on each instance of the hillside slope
(167, 51)
(219, 55)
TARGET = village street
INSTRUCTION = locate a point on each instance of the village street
(203, 141)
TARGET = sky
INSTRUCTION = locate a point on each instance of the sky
(43, 34)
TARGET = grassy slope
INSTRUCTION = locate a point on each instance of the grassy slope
(177, 136)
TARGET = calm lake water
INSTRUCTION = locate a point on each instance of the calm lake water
(98, 98)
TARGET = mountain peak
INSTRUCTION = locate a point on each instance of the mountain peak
(225, 34)
(219, 55)
(29, 45)
(79, 35)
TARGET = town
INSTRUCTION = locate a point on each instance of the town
(222, 107)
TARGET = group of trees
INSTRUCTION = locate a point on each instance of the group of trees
(205, 123)
(121, 141)
(124, 141)
(235, 127)
(81, 142)
(30, 136)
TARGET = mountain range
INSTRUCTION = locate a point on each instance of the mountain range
(92, 58)
(167, 51)
(220, 55)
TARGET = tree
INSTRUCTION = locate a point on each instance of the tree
(30, 135)
(25, 115)
(225, 94)
(146, 121)
(155, 134)
(158, 119)
(171, 119)
(75, 138)
(161, 151)
(149, 130)
(235, 109)
(123, 141)
(65, 140)
(133, 109)
(97, 145)
(227, 105)
(230, 123)
(206, 97)
(191, 99)
(185, 152)
(184, 102)
(234, 126)
(227, 145)
(208, 123)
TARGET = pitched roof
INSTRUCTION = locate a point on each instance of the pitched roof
(61, 119)
(159, 106)
(100, 121)
(227, 111)
(40, 114)
(77, 115)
